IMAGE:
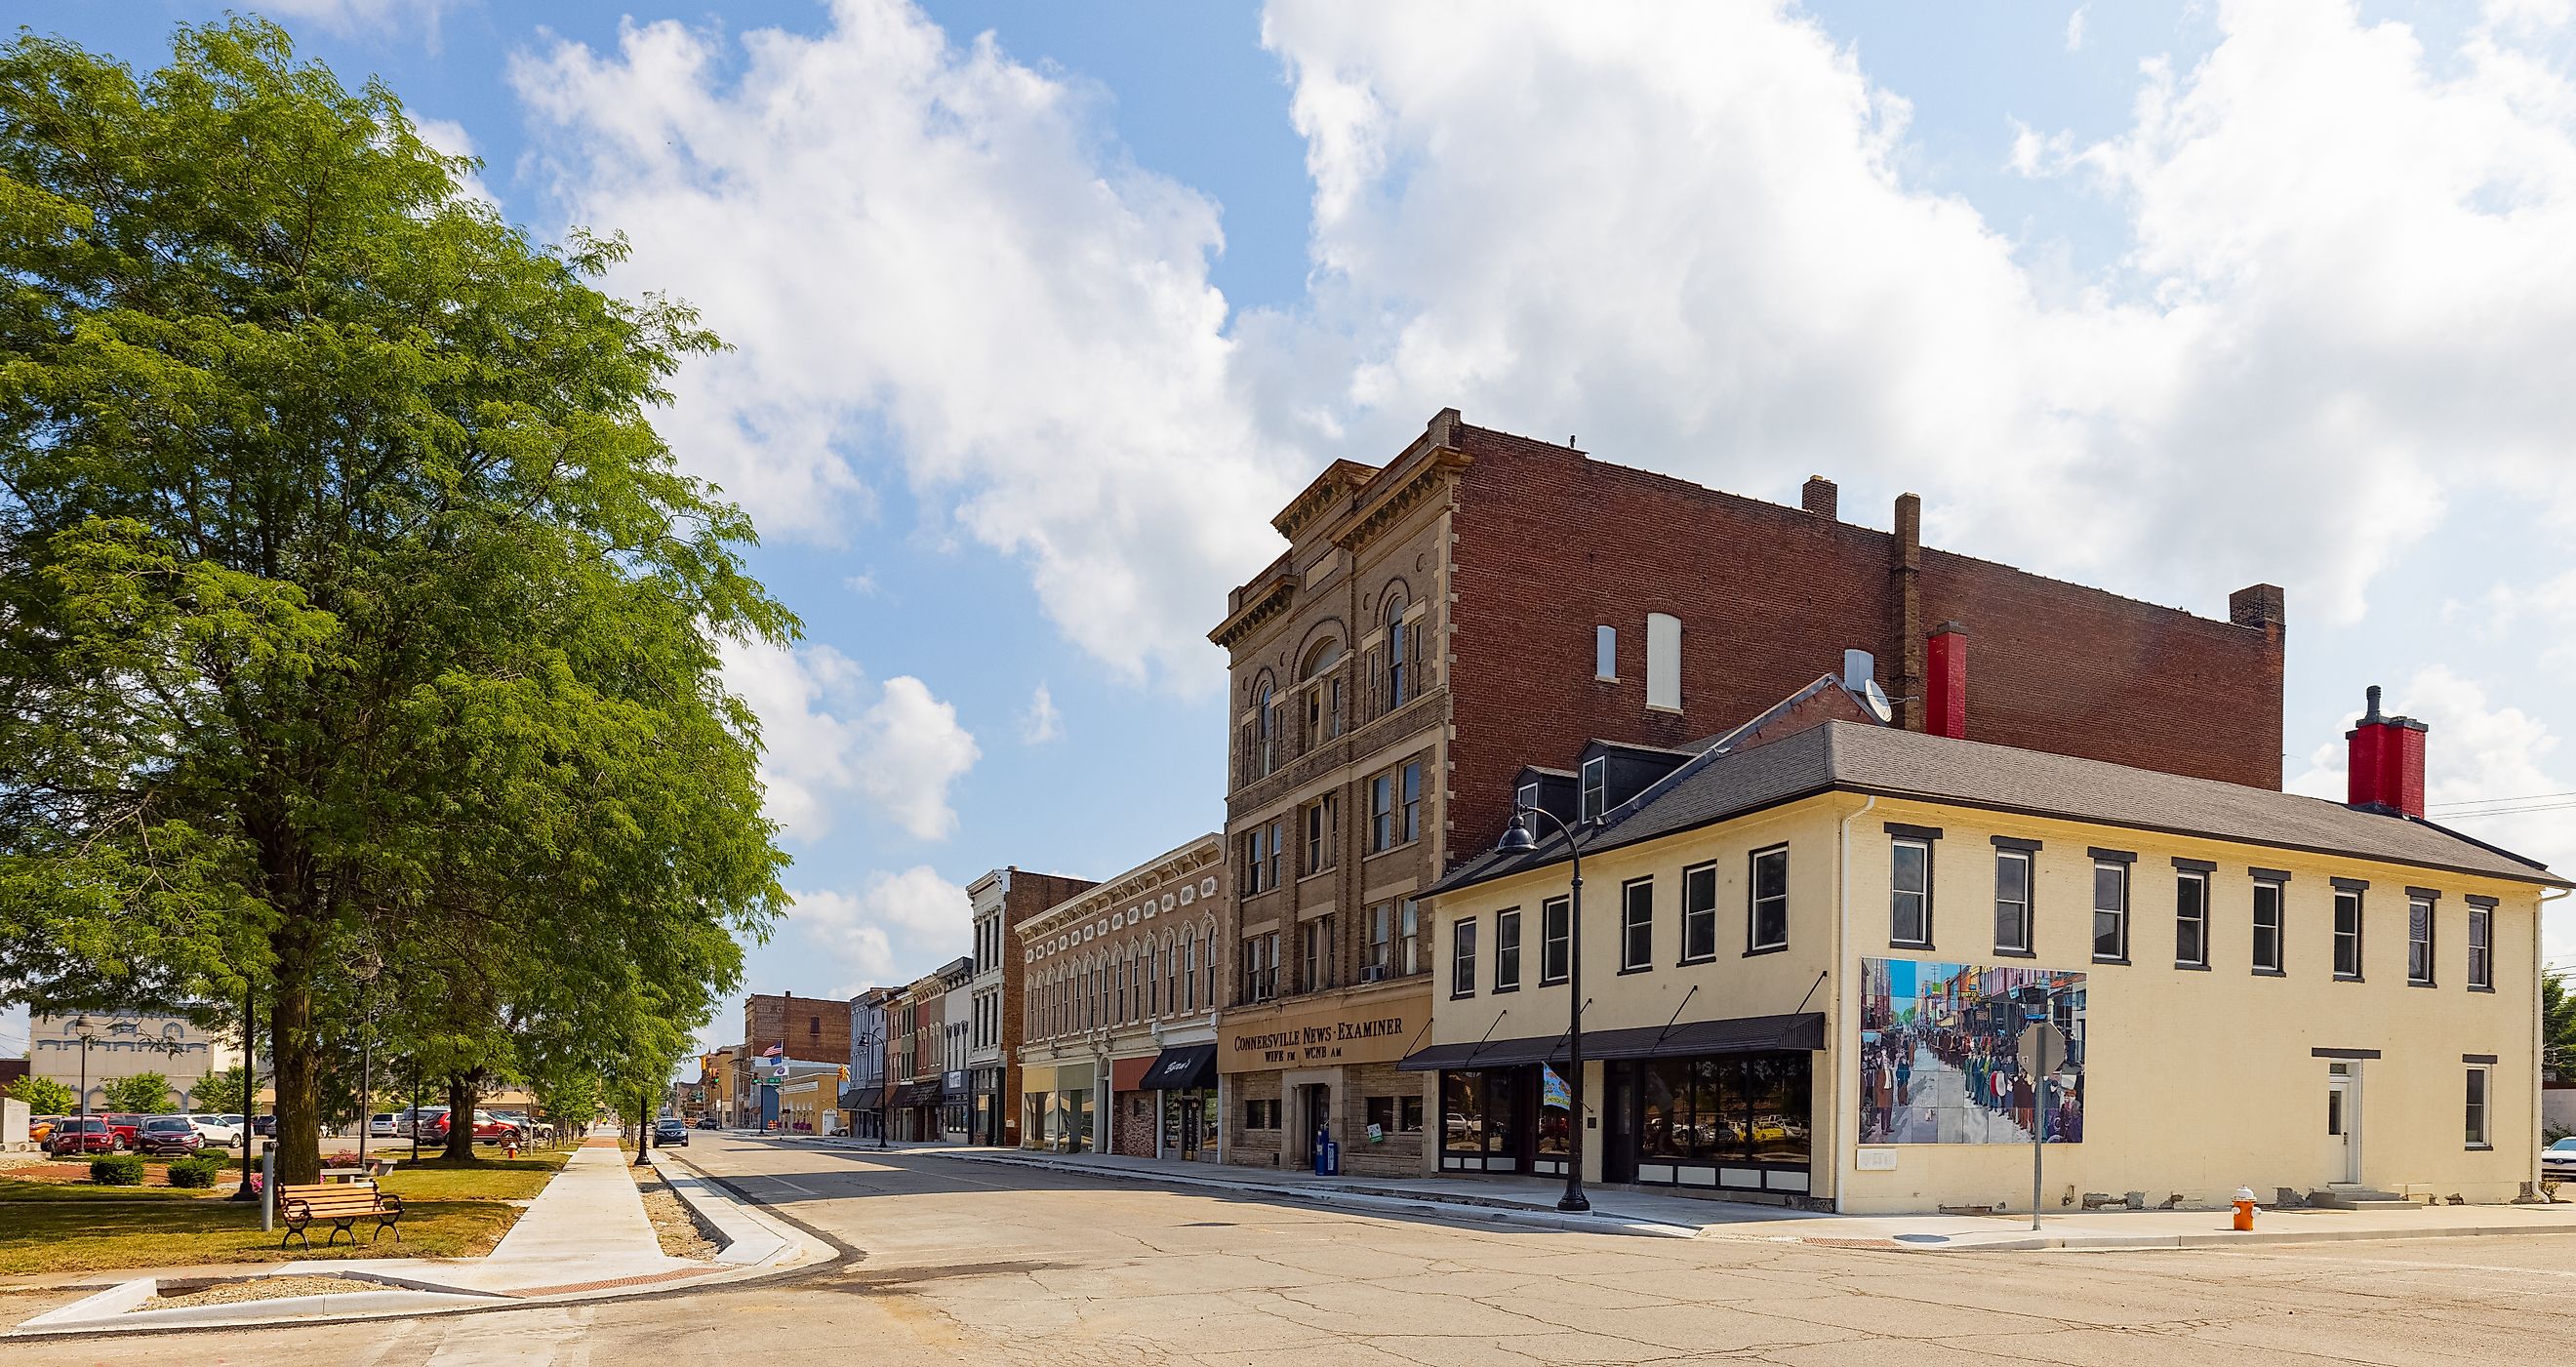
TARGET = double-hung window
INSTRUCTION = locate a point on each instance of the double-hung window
(1636, 925)
(2012, 898)
(1699, 913)
(1909, 899)
(2267, 926)
(2110, 910)
(2191, 918)
(2481, 947)
(1596, 788)
(1315, 954)
(2419, 937)
(1462, 958)
(1278, 852)
(1382, 813)
(1381, 940)
(1766, 925)
(1554, 940)
(1507, 950)
(1320, 823)
(1413, 801)
(1256, 860)
(2347, 928)
(1412, 956)
(2476, 1130)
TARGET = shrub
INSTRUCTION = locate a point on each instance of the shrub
(117, 1170)
(195, 1172)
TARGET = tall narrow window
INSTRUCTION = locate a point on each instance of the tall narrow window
(1605, 653)
(1399, 653)
(1553, 940)
(1637, 924)
(2012, 901)
(1122, 989)
(2347, 933)
(1412, 958)
(2110, 911)
(2191, 919)
(1256, 859)
(2477, 1109)
(2267, 927)
(1663, 661)
(1767, 926)
(1526, 798)
(1507, 950)
(1699, 913)
(1381, 941)
(1596, 787)
(2419, 940)
(2481, 947)
(1278, 851)
(1315, 955)
(1909, 902)
(1263, 737)
(1190, 971)
(1381, 813)
(1322, 832)
(1462, 958)
(1413, 801)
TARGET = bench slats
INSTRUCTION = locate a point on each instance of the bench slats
(341, 1204)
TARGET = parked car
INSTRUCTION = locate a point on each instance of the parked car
(488, 1128)
(381, 1127)
(2558, 1161)
(123, 1126)
(670, 1130)
(167, 1135)
(77, 1135)
(216, 1129)
(265, 1126)
(41, 1128)
(706, 1122)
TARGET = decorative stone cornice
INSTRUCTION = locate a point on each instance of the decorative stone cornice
(1264, 600)
(1339, 480)
(1381, 512)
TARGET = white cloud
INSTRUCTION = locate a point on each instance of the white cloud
(348, 18)
(450, 138)
(826, 735)
(1041, 722)
(935, 268)
(923, 913)
(2075, 30)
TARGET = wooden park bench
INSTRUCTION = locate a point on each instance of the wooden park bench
(343, 1205)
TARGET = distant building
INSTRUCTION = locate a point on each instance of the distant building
(999, 901)
(864, 1096)
(122, 1046)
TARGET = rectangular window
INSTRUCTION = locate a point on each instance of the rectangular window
(1526, 799)
(1261, 1115)
(1909, 902)
(1322, 829)
(1637, 924)
(1699, 913)
(1278, 852)
(1256, 858)
(2477, 1109)
(1768, 925)
(2419, 941)
(2347, 933)
(1554, 939)
(2267, 927)
(2481, 947)
(1315, 954)
(2110, 911)
(1408, 1115)
(1381, 813)
(1413, 801)
(1605, 653)
(2191, 919)
(1408, 931)
(1664, 661)
(1507, 950)
(2012, 901)
(1381, 942)
(1596, 788)
(1261, 967)
(1462, 959)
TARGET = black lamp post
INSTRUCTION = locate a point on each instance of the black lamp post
(83, 1031)
(368, 967)
(1517, 840)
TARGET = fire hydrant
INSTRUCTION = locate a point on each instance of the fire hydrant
(510, 1148)
(2244, 1210)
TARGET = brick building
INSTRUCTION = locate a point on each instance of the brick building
(1120, 1022)
(917, 1051)
(864, 1097)
(1485, 599)
(806, 1029)
(998, 902)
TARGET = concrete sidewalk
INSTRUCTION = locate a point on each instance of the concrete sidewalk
(585, 1236)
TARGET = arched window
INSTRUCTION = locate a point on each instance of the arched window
(1190, 968)
(1265, 735)
(1171, 976)
(1320, 678)
(1399, 652)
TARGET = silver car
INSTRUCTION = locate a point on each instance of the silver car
(2558, 1161)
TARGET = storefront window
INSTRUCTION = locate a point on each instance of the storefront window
(1462, 1112)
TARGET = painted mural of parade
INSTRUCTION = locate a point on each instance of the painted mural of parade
(1939, 1050)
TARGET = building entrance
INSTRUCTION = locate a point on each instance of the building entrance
(2343, 1149)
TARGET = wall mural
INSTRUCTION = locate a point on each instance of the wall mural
(1939, 1055)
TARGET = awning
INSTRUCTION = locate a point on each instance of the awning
(1804, 1030)
(913, 1094)
(862, 1098)
(1183, 1068)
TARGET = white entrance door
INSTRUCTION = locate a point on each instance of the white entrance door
(2343, 1121)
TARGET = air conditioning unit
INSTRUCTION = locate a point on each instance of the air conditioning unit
(1374, 973)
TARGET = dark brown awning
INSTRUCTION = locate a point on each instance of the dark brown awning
(1797, 1031)
(913, 1094)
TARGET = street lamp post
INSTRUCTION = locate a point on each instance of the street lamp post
(366, 969)
(1517, 840)
(83, 1031)
(250, 1085)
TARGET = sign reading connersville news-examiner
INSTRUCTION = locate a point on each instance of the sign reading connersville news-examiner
(1323, 1036)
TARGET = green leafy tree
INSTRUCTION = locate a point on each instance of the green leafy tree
(143, 1093)
(2557, 1026)
(44, 1096)
(348, 596)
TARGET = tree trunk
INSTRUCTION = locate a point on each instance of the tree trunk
(296, 1056)
(461, 1096)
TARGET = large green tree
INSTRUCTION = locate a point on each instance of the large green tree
(348, 597)
(44, 1096)
(145, 1093)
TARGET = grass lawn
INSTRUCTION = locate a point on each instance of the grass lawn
(495, 1178)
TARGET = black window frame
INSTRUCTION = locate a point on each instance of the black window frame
(2360, 924)
(1555, 938)
(1637, 925)
(1507, 950)
(2478, 1098)
(1592, 787)
(2198, 921)
(2280, 928)
(2481, 943)
(1409, 802)
(2120, 913)
(2431, 963)
(1753, 900)
(1462, 957)
(2024, 918)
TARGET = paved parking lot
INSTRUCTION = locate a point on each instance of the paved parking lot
(972, 1262)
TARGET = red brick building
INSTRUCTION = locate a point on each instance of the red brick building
(1485, 598)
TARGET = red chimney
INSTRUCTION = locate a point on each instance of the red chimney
(1945, 684)
(2384, 766)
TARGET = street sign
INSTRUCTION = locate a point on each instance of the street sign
(2043, 1050)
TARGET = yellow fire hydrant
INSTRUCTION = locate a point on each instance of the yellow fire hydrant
(2244, 1210)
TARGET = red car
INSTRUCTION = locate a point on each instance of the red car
(124, 1126)
(488, 1128)
(75, 1135)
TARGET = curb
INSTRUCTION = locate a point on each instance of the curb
(753, 1238)
(2216, 1239)
(1463, 1212)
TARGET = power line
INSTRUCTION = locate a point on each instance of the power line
(2482, 801)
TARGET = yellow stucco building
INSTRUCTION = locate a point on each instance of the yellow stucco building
(1810, 957)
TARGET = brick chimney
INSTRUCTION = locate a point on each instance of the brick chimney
(2384, 764)
(1818, 496)
(1945, 683)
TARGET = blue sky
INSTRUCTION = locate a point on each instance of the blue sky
(1040, 310)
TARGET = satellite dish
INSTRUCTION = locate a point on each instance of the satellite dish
(1875, 698)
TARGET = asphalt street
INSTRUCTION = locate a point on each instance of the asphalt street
(971, 1262)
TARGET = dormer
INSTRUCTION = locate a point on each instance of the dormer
(1610, 773)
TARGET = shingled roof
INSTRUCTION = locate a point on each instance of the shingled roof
(1857, 758)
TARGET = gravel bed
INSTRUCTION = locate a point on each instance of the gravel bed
(258, 1289)
(674, 1223)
